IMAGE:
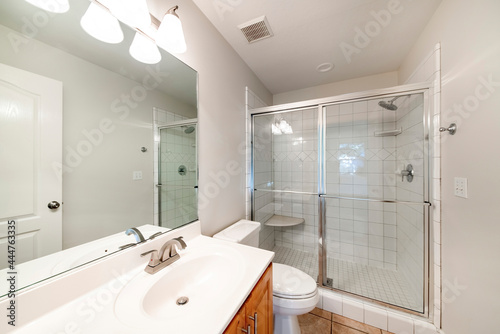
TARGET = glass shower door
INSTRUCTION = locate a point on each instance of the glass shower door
(374, 201)
(285, 187)
(177, 167)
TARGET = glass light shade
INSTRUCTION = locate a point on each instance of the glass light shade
(134, 13)
(100, 24)
(170, 35)
(53, 6)
(144, 49)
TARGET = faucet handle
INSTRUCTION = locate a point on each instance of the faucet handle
(155, 260)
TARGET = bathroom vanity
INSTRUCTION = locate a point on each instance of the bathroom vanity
(256, 314)
(218, 283)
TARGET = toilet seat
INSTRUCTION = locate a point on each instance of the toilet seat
(292, 283)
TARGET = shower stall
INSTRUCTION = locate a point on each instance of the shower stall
(341, 187)
(177, 173)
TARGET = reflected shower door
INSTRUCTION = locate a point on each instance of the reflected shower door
(177, 167)
(375, 200)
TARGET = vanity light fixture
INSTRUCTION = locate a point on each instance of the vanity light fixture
(170, 35)
(53, 6)
(144, 49)
(134, 13)
(100, 24)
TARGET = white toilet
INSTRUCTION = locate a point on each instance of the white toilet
(294, 291)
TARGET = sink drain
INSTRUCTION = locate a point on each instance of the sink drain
(182, 301)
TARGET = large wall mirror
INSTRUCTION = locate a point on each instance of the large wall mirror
(127, 153)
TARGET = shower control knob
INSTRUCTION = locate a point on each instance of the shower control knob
(408, 172)
(53, 205)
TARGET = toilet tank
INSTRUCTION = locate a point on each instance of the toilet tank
(244, 232)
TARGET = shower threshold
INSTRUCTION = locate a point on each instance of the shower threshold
(380, 284)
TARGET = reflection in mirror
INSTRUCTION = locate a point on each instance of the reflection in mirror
(86, 135)
(176, 171)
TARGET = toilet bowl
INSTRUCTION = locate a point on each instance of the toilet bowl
(294, 291)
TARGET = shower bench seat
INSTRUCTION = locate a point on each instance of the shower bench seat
(280, 221)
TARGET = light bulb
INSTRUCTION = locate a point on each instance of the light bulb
(53, 6)
(144, 49)
(100, 24)
(170, 35)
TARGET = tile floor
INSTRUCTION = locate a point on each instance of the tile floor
(385, 285)
(323, 322)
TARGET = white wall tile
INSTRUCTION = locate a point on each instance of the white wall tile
(375, 316)
(399, 324)
(332, 302)
(422, 327)
(353, 309)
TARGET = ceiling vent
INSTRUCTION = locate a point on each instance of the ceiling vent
(256, 29)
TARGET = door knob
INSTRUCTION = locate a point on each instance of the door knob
(53, 205)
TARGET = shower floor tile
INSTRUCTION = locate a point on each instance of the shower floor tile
(385, 285)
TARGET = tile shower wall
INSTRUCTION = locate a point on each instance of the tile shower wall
(359, 164)
(177, 206)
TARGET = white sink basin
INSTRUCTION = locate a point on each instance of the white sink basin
(207, 273)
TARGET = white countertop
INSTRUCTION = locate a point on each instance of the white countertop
(84, 300)
(36, 270)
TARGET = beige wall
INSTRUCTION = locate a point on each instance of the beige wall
(223, 77)
(469, 33)
(382, 80)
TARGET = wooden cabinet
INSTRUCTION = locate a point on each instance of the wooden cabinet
(256, 314)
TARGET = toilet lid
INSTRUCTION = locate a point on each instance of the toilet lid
(290, 282)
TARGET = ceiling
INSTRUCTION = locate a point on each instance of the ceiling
(359, 37)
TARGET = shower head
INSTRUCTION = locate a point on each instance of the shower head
(189, 129)
(388, 105)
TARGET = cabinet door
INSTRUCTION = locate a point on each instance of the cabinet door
(259, 307)
(238, 323)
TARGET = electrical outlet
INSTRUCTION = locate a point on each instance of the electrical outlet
(137, 175)
(461, 187)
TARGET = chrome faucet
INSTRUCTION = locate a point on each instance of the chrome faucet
(137, 234)
(165, 256)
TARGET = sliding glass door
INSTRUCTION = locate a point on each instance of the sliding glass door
(342, 190)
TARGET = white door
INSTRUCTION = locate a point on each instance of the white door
(30, 147)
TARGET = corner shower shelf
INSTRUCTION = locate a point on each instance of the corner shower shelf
(388, 133)
(281, 221)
